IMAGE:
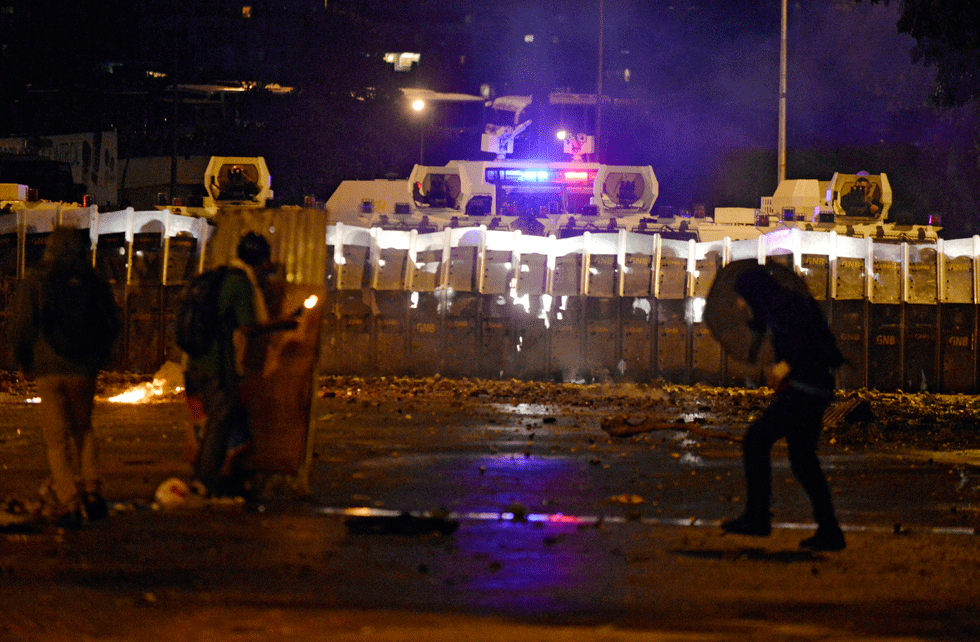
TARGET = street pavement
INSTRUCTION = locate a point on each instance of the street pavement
(525, 522)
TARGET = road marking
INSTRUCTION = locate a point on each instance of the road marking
(592, 520)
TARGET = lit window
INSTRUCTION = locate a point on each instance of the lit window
(529, 37)
(246, 12)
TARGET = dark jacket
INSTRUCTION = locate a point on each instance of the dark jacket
(797, 326)
(66, 249)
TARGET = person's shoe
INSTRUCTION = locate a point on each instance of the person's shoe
(95, 507)
(825, 539)
(746, 525)
(70, 521)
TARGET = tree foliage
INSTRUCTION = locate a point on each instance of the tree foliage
(947, 37)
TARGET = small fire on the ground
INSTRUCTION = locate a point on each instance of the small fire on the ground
(144, 392)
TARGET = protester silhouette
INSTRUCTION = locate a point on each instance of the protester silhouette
(214, 378)
(63, 325)
(778, 309)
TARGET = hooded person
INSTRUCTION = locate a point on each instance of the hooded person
(781, 310)
(63, 325)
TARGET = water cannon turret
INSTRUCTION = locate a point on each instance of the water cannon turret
(240, 181)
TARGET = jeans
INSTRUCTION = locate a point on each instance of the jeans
(66, 423)
(225, 437)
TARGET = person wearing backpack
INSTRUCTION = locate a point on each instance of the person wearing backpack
(63, 325)
(806, 355)
(214, 370)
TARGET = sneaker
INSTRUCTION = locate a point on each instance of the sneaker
(95, 507)
(70, 521)
(825, 539)
(746, 525)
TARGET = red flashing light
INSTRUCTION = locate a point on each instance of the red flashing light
(576, 176)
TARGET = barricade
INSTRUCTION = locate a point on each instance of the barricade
(957, 349)
(425, 333)
(529, 346)
(497, 342)
(567, 349)
(707, 359)
(148, 257)
(958, 318)
(672, 327)
(602, 336)
(636, 338)
(626, 306)
(461, 335)
(389, 353)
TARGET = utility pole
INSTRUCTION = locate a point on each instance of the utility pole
(781, 170)
(598, 102)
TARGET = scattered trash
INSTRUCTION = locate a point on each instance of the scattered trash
(626, 499)
(849, 411)
(626, 426)
(173, 492)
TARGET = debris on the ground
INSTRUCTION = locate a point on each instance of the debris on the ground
(176, 493)
(626, 498)
(401, 524)
(848, 411)
(626, 426)
(16, 512)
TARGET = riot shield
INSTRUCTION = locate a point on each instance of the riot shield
(729, 322)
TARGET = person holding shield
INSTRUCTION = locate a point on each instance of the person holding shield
(776, 307)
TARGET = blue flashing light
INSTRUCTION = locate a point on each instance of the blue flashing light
(515, 175)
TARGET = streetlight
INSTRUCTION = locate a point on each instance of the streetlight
(419, 106)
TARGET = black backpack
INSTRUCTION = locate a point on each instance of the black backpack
(198, 317)
(79, 316)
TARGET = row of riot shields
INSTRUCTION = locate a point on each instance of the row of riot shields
(568, 338)
(887, 347)
(628, 306)
(473, 302)
(148, 257)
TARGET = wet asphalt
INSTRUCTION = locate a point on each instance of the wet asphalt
(518, 515)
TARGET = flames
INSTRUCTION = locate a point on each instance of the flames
(144, 392)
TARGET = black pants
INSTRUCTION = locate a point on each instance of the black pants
(797, 416)
(226, 429)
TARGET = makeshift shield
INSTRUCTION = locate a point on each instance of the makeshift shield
(729, 321)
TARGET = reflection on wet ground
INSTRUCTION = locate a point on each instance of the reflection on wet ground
(675, 480)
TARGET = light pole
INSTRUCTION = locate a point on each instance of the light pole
(781, 153)
(419, 106)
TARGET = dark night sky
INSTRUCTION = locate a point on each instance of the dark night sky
(704, 74)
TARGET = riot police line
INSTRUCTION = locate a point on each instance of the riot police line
(488, 303)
